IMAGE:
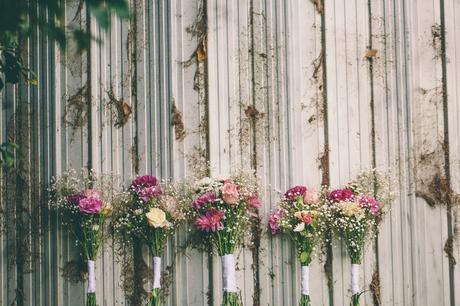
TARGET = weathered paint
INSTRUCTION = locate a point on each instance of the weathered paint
(277, 86)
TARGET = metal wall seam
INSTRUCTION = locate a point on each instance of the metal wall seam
(385, 149)
(452, 54)
(349, 114)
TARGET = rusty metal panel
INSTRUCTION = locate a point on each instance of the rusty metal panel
(302, 92)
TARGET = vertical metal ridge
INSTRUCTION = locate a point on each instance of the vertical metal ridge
(325, 163)
(446, 147)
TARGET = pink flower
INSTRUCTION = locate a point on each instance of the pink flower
(273, 220)
(92, 193)
(254, 201)
(230, 193)
(203, 199)
(310, 196)
(147, 193)
(294, 192)
(371, 203)
(211, 221)
(90, 205)
(307, 219)
(340, 195)
(143, 182)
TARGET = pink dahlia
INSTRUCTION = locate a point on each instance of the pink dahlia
(254, 201)
(295, 192)
(371, 203)
(273, 220)
(340, 195)
(90, 205)
(203, 199)
(211, 221)
(143, 182)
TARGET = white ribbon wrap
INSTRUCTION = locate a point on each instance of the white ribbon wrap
(305, 280)
(355, 278)
(91, 277)
(229, 272)
(156, 272)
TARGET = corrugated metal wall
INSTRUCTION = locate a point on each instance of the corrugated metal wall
(302, 91)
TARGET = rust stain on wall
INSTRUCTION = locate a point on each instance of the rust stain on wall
(76, 109)
(178, 123)
(121, 110)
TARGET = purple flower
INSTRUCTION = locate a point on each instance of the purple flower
(340, 195)
(90, 205)
(295, 192)
(143, 182)
(147, 193)
(75, 198)
(207, 197)
(273, 220)
(211, 221)
(371, 203)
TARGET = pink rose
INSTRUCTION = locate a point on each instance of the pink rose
(310, 196)
(92, 193)
(230, 193)
(307, 219)
(90, 205)
(254, 201)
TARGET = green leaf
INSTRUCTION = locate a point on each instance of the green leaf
(82, 39)
(7, 152)
(32, 82)
(7, 160)
(12, 68)
(120, 7)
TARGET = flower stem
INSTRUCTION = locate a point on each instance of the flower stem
(355, 299)
(305, 300)
(91, 299)
(231, 299)
(155, 298)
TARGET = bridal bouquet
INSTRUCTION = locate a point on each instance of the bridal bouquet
(221, 212)
(150, 212)
(302, 217)
(357, 210)
(82, 204)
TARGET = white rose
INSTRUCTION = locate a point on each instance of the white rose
(157, 218)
